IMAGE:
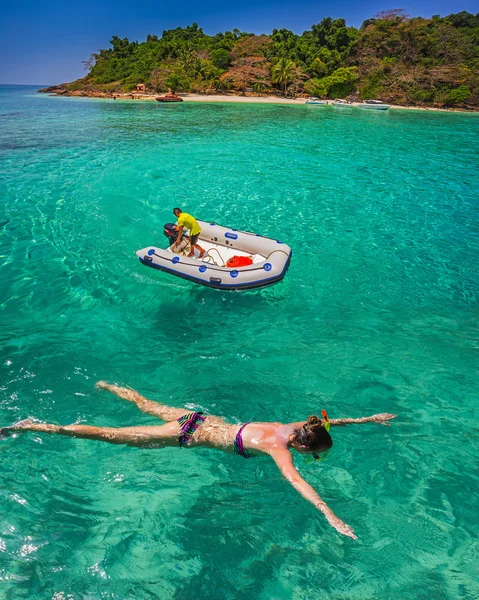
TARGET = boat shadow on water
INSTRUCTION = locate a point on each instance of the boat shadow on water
(182, 304)
(189, 299)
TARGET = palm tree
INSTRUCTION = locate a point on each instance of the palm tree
(260, 87)
(186, 60)
(220, 83)
(283, 72)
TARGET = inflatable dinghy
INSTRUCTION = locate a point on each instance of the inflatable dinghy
(265, 260)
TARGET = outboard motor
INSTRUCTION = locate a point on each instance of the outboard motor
(170, 232)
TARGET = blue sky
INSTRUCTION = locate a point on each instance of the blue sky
(46, 42)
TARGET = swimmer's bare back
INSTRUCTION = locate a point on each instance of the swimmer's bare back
(257, 438)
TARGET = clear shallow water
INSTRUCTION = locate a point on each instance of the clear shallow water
(378, 313)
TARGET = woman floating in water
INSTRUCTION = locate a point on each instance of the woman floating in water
(195, 429)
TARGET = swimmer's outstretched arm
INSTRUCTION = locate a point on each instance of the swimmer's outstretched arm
(381, 419)
(284, 462)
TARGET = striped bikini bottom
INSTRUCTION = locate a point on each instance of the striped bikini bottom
(189, 423)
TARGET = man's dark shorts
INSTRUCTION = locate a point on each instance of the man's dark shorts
(194, 239)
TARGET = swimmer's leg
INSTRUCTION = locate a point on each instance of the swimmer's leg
(167, 413)
(133, 436)
(28, 425)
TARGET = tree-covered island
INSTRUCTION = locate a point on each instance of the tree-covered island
(401, 60)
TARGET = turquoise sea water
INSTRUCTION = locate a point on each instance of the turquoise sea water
(378, 313)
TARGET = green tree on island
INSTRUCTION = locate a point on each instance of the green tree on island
(283, 72)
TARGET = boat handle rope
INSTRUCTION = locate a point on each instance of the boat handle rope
(274, 251)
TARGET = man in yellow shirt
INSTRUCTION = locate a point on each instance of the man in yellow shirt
(186, 220)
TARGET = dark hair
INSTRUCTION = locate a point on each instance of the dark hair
(175, 210)
(313, 436)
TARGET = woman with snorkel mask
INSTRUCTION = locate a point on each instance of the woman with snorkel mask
(196, 429)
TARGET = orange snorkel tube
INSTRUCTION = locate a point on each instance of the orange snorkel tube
(326, 423)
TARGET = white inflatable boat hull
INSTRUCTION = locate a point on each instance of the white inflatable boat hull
(271, 259)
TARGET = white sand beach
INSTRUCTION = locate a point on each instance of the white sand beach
(251, 99)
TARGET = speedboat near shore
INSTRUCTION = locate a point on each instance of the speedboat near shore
(340, 103)
(169, 98)
(374, 105)
(233, 259)
(313, 101)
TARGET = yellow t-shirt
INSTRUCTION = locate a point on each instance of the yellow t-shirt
(186, 220)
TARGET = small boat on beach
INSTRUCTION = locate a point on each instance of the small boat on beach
(233, 259)
(313, 101)
(374, 105)
(339, 103)
(169, 98)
